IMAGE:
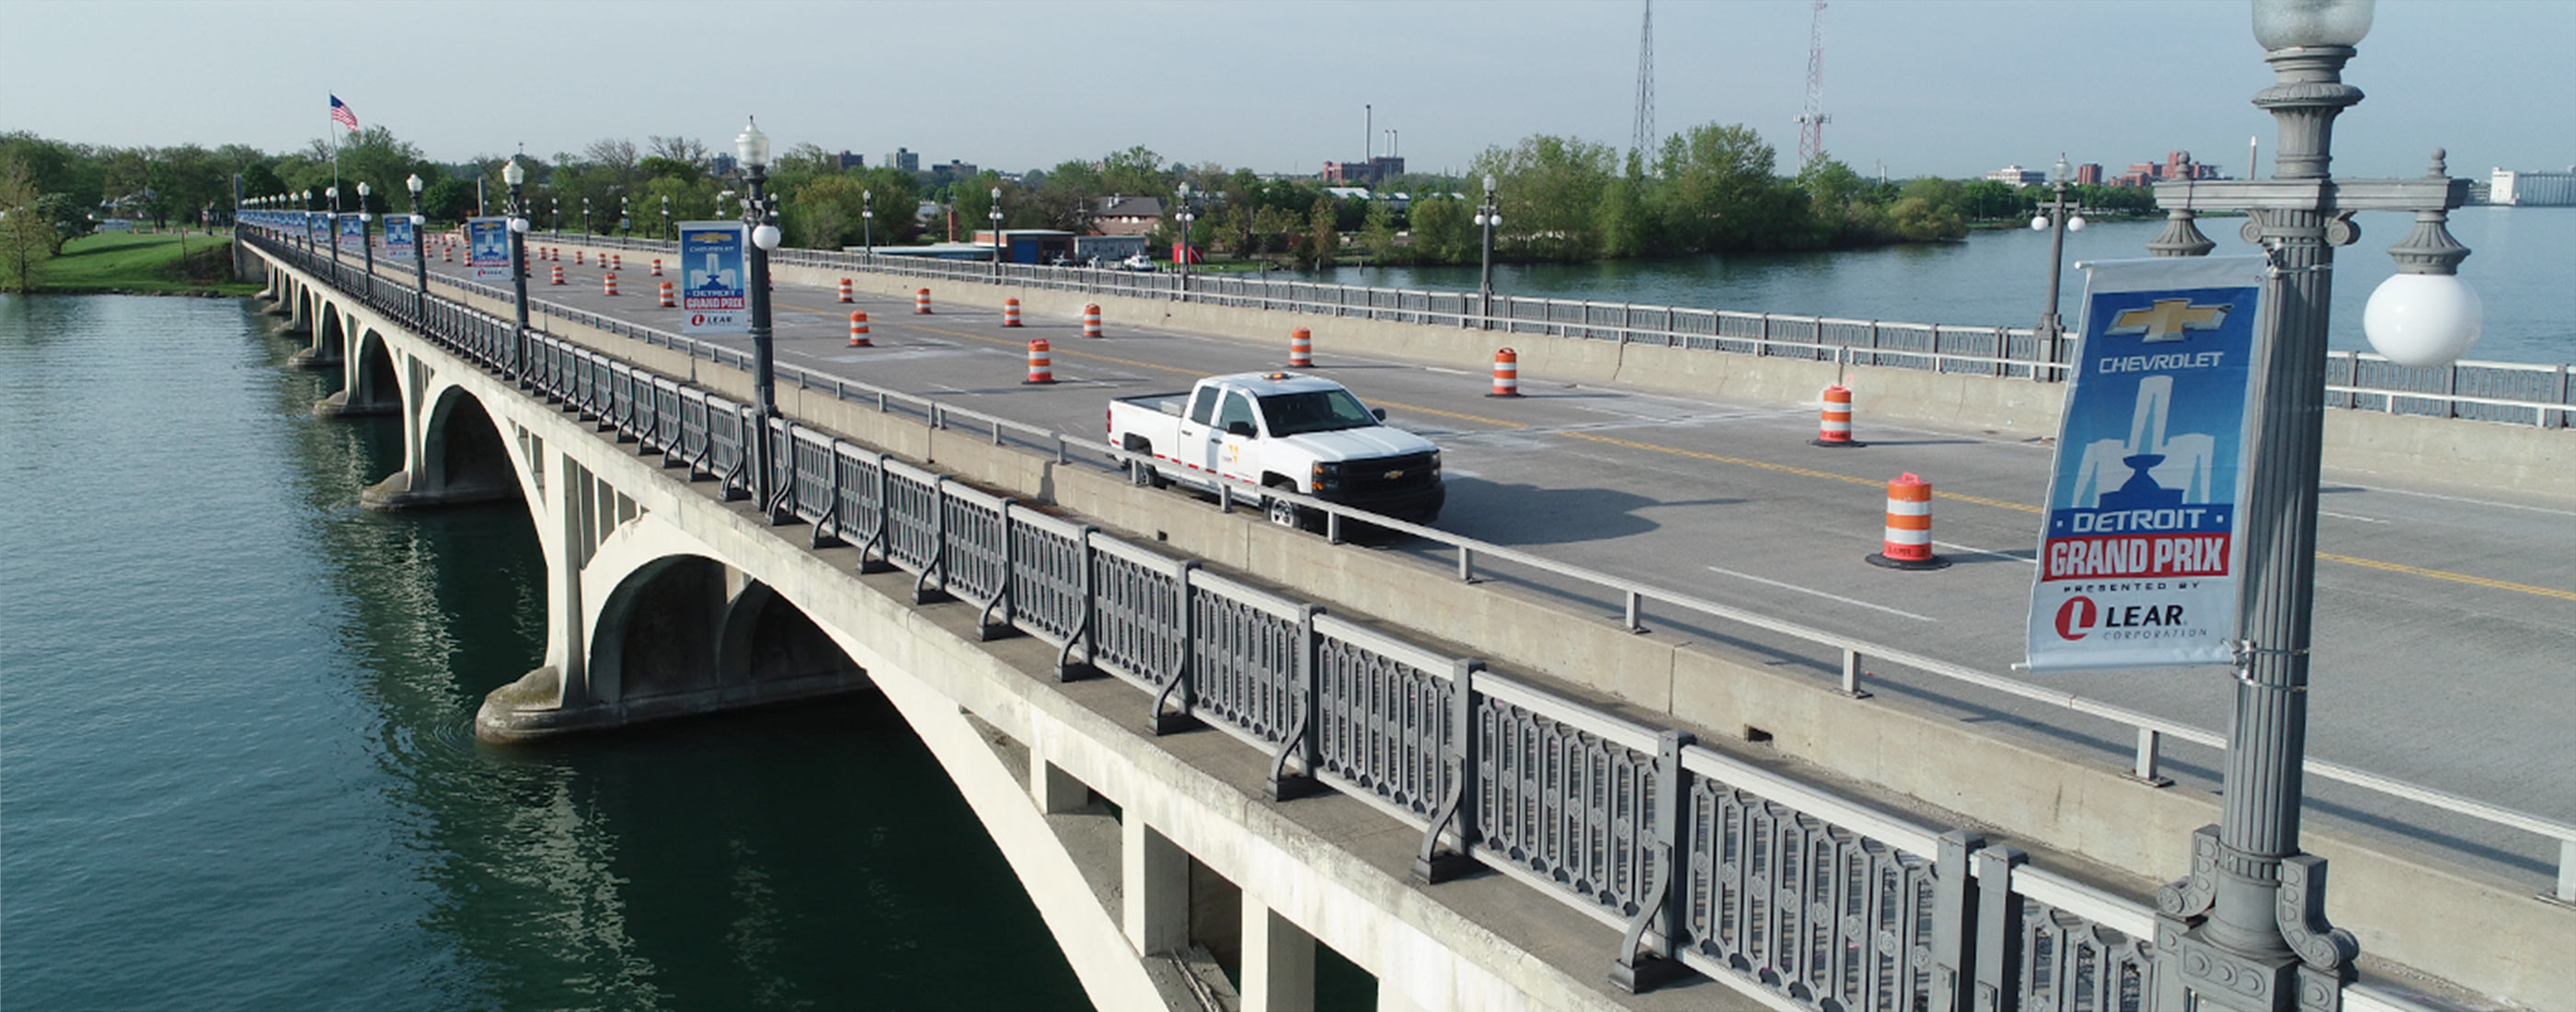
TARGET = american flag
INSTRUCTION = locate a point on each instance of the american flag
(340, 113)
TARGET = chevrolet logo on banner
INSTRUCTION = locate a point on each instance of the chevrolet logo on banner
(2166, 320)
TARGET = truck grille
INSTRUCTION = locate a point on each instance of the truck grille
(1384, 475)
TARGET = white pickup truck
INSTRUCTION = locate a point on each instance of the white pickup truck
(1280, 430)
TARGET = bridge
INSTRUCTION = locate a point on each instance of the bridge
(1297, 742)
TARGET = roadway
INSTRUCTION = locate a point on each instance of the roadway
(2442, 641)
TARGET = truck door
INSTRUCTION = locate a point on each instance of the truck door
(1235, 456)
(1196, 446)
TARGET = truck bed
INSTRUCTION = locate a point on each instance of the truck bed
(1171, 403)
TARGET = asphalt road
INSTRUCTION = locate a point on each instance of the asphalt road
(2443, 650)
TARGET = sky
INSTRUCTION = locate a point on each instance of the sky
(1951, 88)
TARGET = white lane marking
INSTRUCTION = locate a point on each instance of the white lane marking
(1974, 550)
(1822, 594)
(1453, 372)
(2348, 516)
(2469, 501)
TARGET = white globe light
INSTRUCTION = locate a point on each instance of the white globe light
(2039, 224)
(2423, 319)
(765, 237)
(2075, 223)
(519, 225)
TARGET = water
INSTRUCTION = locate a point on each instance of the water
(236, 760)
(2522, 264)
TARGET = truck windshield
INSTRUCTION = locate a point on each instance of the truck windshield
(1314, 411)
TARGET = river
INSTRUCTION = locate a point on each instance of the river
(2522, 264)
(236, 728)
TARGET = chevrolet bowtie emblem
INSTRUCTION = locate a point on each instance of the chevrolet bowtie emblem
(1393, 475)
(2167, 320)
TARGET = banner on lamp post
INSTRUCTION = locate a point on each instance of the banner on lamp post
(399, 237)
(487, 248)
(715, 280)
(2139, 563)
(317, 227)
(353, 233)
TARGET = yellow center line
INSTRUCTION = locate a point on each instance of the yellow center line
(1764, 465)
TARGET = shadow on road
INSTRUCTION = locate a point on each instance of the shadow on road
(1513, 514)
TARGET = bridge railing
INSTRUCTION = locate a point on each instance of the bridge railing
(1703, 860)
(2507, 392)
(1476, 559)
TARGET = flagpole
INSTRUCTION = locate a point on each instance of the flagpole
(335, 158)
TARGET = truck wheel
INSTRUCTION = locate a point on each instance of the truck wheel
(1143, 475)
(1283, 512)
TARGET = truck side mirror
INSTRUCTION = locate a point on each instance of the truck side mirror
(1379, 412)
(1238, 427)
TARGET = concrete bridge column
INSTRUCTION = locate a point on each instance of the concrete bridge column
(1278, 962)
(1054, 790)
(1156, 873)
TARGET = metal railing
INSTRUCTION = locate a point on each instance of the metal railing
(2507, 392)
(1702, 859)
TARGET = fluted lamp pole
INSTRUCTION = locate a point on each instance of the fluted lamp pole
(2246, 931)
(2056, 223)
(515, 174)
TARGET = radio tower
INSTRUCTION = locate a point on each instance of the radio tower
(1811, 124)
(1645, 139)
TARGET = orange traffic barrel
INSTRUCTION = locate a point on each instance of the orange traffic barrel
(1507, 374)
(667, 300)
(657, 267)
(558, 269)
(1041, 365)
(1010, 312)
(1909, 526)
(845, 290)
(608, 283)
(1301, 348)
(1091, 320)
(1835, 428)
(576, 258)
(859, 329)
(921, 300)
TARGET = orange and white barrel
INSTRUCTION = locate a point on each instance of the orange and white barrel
(1301, 348)
(657, 267)
(1507, 374)
(608, 283)
(447, 254)
(845, 291)
(617, 261)
(1909, 526)
(558, 269)
(668, 301)
(859, 329)
(1041, 364)
(576, 257)
(1835, 427)
(921, 300)
(1010, 312)
(1091, 320)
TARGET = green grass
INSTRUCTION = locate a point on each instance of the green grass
(138, 262)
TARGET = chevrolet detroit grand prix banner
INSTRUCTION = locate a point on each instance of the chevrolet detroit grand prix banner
(715, 292)
(2138, 561)
(487, 248)
(399, 236)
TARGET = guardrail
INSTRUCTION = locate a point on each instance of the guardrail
(1818, 898)
(2507, 392)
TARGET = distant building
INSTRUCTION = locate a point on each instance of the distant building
(2532, 189)
(953, 171)
(2089, 174)
(2014, 175)
(1124, 215)
(723, 165)
(2177, 166)
(1370, 171)
(850, 161)
(905, 160)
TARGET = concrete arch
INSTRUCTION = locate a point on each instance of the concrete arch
(371, 382)
(331, 338)
(682, 627)
(462, 455)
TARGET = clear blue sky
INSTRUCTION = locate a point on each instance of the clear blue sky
(1939, 87)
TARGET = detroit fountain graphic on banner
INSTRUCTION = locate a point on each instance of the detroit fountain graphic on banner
(2138, 560)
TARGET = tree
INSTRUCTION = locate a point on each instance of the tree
(26, 232)
(1323, 241)
(1377, 232)
(1713, 193)
(685, 150)
(1627, 228)
(1444, 230)
(1551, 195)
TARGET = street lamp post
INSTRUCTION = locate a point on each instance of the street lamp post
(513, 174)
(625, 220)
(1184, 215)
(2057, 223)
(331, 227)
(2247, 930)
(995, 215)
(868, 221)
(367, 236)
(1487, 216)
(753, 147)
(419, 244)
(585, 216)
(666, 217)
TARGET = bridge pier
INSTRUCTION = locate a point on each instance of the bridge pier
(1278, 962)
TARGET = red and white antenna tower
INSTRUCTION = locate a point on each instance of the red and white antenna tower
(1811, 123)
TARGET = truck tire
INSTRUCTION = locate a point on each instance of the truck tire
(1142, 473)
(1281, 511)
